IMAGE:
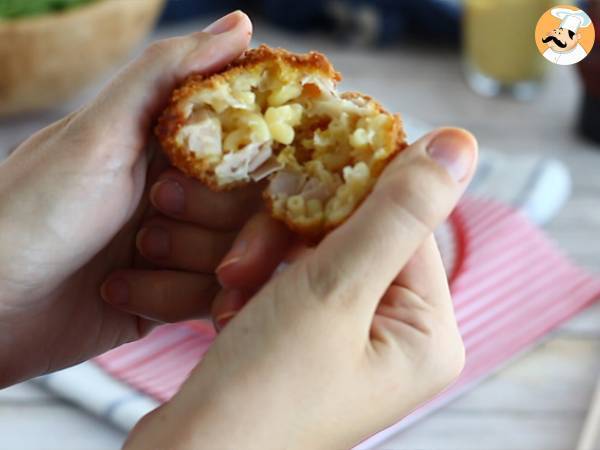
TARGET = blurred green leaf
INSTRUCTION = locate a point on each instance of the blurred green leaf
(11, 9)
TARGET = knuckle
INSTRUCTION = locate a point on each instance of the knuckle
(201, 37)
(411, 309)
(165, 48)
(323, 282)
(157, 50)
(439, 347)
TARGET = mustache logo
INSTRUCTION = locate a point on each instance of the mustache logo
(556, 41)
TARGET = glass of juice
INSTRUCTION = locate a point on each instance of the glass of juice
(500, 54)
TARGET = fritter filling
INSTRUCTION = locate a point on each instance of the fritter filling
(319, 148)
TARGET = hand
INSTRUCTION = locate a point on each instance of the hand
(348, 339)
(192, 233)
(71, 201)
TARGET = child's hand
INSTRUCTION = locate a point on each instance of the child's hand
(71, 201)
(348, 339)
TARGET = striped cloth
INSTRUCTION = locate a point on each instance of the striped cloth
(510, 286)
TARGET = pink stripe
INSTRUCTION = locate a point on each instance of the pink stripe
(181, 360)
(187, 355)
(498, 223)
(158, 360)
(493, 220)
(164, 389)
(156, 341)
(493, 355)
(495, 254)
(496, 276)
(170, 381)
(153, 377)
(516, 234)
(507, 283)
(531, 305)
(505, 343)
(153, 358)
(507, 225)
(518, 317)
(465, 300)
(171, 385)
(506, 228)
(500, 226)
(154, 336)
(481, 214)
(491, 254)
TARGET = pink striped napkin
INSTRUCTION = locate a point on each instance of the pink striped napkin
(510, 286)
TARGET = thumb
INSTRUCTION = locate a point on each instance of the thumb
(358, 261)
(133, 99)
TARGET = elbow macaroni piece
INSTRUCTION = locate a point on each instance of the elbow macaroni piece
(281, 121)
(284, 94)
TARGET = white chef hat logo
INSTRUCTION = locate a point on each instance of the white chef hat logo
(569, 39)
(571, 20)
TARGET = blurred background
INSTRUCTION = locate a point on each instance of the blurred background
(470, 63)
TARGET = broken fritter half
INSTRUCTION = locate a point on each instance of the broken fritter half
(277, 115)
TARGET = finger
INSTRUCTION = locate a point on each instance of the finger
(357, 262)
(184, 198)
(258, 249)
(227, 304)
(425, 275)
(132, 100)
(179, 245)
(160, 295)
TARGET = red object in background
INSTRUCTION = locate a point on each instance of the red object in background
(589, 123)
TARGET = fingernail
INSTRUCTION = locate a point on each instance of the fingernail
(224, 319)
(154, 242)
(236, 254)
(454, 150)
(115, 291)
(168, 196)
(224, 24)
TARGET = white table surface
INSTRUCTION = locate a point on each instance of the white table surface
(539, 401)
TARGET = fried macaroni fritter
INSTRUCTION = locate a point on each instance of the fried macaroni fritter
(277, 115)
